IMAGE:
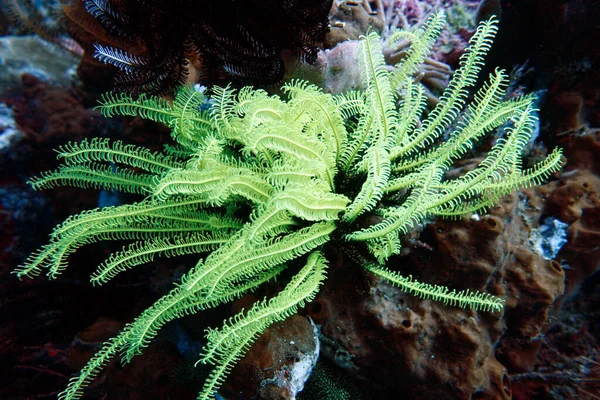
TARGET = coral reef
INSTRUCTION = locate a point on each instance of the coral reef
(40, 18)
(534, 344)
(351, 19)
(492, 249)
(258, 182)
(370, 318)
(573, 199)
(28, 54)
(545, 345)
(335, 70)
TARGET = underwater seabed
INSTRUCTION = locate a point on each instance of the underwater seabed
(370, 293)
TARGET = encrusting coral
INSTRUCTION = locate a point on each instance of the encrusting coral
(259, 182)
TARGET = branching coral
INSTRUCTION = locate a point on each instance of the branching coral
(306, 170)
(351, 19)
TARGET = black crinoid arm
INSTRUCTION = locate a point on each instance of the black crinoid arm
(159, 45)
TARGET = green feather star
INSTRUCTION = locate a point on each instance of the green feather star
(306, 167)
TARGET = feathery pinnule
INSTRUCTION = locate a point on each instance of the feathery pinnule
(305, 169)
